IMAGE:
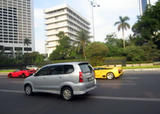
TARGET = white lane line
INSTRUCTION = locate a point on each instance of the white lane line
(10, 91)
(125, 98)
(100, 97)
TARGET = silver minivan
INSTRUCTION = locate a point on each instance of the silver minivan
(65, 79)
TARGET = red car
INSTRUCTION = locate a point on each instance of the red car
(21, 73)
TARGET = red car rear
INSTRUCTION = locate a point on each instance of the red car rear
(21, 73)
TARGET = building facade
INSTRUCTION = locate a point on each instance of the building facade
(143, 6)
(16, 24)
(62, 18)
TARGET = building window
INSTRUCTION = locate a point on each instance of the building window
(27, 49)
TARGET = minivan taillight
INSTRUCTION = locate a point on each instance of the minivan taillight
(80, 77)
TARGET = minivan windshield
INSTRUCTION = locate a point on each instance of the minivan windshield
(85, 68)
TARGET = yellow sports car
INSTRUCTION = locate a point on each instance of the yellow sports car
(108, 72)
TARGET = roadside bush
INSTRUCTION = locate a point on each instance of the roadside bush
(96, 53)
(135, 53)
(115, 60)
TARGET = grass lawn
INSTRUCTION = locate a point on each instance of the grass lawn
(142, 67)
(7, 71)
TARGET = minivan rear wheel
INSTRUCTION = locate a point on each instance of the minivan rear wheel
(67, 93)
(28, 90)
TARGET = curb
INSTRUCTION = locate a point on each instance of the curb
(147, 69)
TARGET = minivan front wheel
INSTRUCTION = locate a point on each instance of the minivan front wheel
(28, 90)
(67, 93)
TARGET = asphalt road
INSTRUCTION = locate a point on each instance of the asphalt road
(134, 93)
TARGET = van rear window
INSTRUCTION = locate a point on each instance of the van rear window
(85, 68)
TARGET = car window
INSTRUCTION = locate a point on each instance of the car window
(85, 67)
(43, 71)
(100, 68)
(58, 69)
(68, 69)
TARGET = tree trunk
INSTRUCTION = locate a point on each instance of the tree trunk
(84, 54)
(123, 38)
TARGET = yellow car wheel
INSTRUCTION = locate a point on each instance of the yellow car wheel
(110, 76)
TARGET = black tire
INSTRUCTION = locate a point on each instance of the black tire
(23, 76)
(28, 90)
(67, 93)
(10, 76)
(110, 76)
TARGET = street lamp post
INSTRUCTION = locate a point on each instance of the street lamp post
(93, 4)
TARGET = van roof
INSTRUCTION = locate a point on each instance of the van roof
(64, 63)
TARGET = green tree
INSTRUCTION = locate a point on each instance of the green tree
(151, 51)
(135, 41)
(96, 52)
(135, 53)
(83, 39)
(148, 25)
(63, 49)
(123, 25)
(114, 44)
(32, 58)
(112, 40)
(27, 42)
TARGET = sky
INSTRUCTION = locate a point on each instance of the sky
(104, 16)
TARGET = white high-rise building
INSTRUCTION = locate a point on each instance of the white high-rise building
(143, 5)
(16, 24)
(62, 18)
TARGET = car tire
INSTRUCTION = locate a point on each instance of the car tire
(110, 76)
(10, 76)
(23, 75)
(67, 93)
(28, 90)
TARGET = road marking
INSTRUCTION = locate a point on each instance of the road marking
(100, 97)
(125, 98)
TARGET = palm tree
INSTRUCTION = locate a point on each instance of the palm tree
(123, 25)
(27, 42)
(83, 39)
